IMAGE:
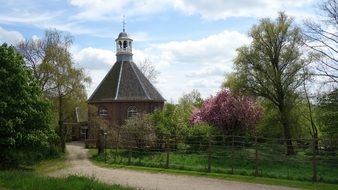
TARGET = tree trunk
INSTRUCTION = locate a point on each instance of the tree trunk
(287, 131)
(62, 131)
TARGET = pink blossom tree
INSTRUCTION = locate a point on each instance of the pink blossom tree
(228, 112)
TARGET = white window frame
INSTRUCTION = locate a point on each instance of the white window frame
(103, 111)
(131, 112)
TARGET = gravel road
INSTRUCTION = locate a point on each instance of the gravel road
(80, 165)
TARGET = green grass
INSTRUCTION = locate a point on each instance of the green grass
(241, 178)
(295, 169)
(28, 180)
(50, 165)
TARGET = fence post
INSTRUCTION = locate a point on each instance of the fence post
(232, 154)
(314, 160)
(256, 156)
(209, 156)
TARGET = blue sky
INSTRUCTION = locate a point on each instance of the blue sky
(192, 43)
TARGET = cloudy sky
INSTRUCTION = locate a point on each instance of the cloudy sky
(192, 43)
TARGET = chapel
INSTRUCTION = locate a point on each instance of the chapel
(125, 91)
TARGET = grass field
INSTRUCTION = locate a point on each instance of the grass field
(239, 162)
(28, 180)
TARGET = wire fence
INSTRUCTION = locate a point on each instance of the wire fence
(314, 159)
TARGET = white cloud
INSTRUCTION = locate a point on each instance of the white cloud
(212, 50)
(28, 17)
(10, 37)
(195, 64)
(184, 65)
(209, 10)
(94, 58)
(220, 9)
(97, 76)
(107, 9)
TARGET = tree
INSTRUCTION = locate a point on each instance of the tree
(328, 113)
(148, 69)
(65, 80)
(272, 67)
(33, 52)
(310, 117)
(24, 112)
(193, 98)
(230, 113)
(139, 132)
(171, 123)
(53, 67)
(322, 37)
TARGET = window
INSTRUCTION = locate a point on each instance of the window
(103, 111)
(132, 112)
(125, 44)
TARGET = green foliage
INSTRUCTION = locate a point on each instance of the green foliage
(25, 114)
(139, 132)
(328, 113)
(273, 67)
(171, 123)
(64, 84)
(192, 99)
(200, 134)
(270, 125)
(33, 181)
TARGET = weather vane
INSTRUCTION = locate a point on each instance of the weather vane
(124, 23)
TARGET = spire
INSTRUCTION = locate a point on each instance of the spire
(124, 23)
(124, 45)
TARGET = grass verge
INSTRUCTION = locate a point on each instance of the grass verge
(28, 180)
(51, 165)
(240, 178)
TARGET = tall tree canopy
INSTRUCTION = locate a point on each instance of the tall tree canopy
(272, 67)
(25, 114)
(230, 113)
(58, 77)
(322, 37)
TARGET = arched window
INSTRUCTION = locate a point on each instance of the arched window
(120, 44)
(131, 112)
(103, 111)
(125, 44)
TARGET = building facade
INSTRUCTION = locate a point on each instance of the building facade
(124, 92)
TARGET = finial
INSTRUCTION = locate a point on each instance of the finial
(124, 23)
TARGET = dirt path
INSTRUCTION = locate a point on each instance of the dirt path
(80, 165)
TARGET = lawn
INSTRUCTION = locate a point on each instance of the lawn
(238, 161)
(29, 180)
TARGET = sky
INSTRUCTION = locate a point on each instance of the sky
(192, 43)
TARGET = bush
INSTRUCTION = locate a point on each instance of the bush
(200, 134)
(25, 114)
(138, 132)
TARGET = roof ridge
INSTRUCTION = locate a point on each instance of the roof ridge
(145, 91)
(118, 81)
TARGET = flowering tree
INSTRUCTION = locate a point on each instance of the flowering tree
(228, 112)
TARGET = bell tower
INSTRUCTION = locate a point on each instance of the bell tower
(124, 46)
